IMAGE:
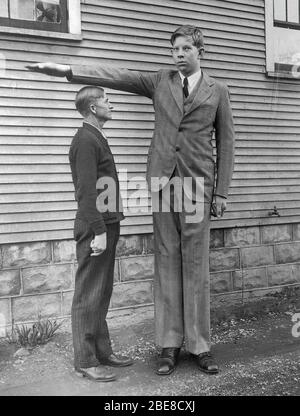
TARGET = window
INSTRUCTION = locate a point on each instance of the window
(50, 15)
(283, 38)
(287, 13)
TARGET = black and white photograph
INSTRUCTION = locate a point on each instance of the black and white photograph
(150, 201)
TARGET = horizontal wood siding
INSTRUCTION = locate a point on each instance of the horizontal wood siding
(38, 118)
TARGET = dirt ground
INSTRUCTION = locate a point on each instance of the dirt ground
(257, 353)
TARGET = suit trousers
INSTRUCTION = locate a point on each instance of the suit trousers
(93, 289)
(182, 282)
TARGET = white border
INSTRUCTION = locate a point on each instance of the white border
(74, 17)
(269, 19)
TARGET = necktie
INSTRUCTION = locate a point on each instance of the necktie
(185, 87)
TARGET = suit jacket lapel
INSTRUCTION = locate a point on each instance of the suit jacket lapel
(204, 92)
(176, 89)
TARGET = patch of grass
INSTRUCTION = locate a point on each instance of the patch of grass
(39, 333)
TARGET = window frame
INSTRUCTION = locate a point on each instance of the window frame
(35, 25)
(286, 23)
(272, 26)
(74, 32)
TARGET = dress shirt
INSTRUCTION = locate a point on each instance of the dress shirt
(192, 79)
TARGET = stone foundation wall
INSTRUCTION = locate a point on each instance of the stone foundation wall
(38, 278)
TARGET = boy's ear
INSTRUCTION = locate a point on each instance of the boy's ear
(201, 52)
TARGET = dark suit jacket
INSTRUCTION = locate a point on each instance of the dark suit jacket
(90, 159)
(181, 138)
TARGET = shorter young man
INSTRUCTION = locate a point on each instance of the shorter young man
(96, 234)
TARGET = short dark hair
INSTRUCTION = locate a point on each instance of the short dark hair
(87, 96)
(193, 32)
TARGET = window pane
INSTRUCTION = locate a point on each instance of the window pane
(293, 11)
(48, 11)
(41, 11)
(3, 8)
(280, 10)
(22, 9)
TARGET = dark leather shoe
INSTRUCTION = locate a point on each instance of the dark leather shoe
(96, 373)
(167, 361)
(206, 363)
(114, 361)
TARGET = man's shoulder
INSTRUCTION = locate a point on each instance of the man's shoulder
(85, 135)
(220, 85)
(167, 73)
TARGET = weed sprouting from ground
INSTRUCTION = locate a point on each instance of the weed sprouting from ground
(39, 333)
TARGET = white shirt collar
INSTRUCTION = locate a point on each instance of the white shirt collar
(192, 79)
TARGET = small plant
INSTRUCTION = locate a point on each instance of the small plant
(39, 333)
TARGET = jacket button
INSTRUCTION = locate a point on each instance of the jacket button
(177, 148)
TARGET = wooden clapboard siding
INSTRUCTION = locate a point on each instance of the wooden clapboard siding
(38, 118)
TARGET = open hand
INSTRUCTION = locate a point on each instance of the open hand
(50, 68)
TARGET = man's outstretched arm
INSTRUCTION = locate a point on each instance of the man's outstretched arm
(134, 82)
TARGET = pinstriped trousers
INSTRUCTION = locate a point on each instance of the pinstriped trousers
(182, 281)
(93, 290)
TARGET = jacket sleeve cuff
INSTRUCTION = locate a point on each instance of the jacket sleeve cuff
(69, 75)
(222, 196)
(98, 227)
